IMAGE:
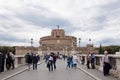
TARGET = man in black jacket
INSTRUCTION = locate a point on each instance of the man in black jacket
(34, 61)
(28, 60)
(1, 62)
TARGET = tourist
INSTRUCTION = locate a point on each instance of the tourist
(71, 61)
(34, 61)
(1, 62)
(106, 64)
(54, 60)
(93, 60)
(13, 60)
(68, 62)
(88, 61)
(75, 61)
(82, 60)
(50, 63)
(46, 57)
(38, 57)
(28, 59)
(8, 61)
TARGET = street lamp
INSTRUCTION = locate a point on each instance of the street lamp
(79, 41)
(79, 44)
(31, 44)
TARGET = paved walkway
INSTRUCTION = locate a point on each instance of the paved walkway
(11, 72)
(61, 73)
(16, 71)
(96, 73)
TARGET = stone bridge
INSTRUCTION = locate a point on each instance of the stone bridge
(61, 73)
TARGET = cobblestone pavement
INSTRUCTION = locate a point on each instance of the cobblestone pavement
(61, 73)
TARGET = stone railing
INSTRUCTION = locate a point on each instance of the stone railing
(20, 60)
(114, 61)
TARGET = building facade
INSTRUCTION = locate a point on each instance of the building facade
(22, 50)
(61, 43)
(57, 42)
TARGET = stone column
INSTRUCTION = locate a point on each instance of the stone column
(16, 62)
(118, 61)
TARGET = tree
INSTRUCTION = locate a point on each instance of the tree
(6, 49)
(100, 50)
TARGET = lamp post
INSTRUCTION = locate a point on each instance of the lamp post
(79, 44)
(31, 44)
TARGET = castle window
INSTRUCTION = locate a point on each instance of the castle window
(58, 34)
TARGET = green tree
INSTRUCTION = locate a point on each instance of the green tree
(100, 50)
(6, 49)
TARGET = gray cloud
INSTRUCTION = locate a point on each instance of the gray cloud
(42, 20)
(3, 17)
(8, 37)
(110, 41)
(89, 21)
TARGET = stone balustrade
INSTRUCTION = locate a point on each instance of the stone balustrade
(20, 60)
(114, 61)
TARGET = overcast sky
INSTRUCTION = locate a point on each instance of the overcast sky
(21, 20)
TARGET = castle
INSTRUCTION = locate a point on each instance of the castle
(57, 42)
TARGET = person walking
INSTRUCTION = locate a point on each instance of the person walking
(82, 60)
(34, 61)
(106, 64)
(46, 57)
(28, 59)
(54, 60)
(93, 60)
(88, 61)
(50, 63)
(13, 60)
(68, 62)
(75, 61)
(1, 62)
(71, 61)
(8, 61)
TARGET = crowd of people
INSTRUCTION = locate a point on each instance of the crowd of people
(91, 59)
(6, 60)
(72, 61)
(32, 59)
(105, 61)
(50, 60)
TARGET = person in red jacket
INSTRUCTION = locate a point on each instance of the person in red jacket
(54, 60)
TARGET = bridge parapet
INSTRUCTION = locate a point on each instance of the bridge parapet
(114, 61)
(20, 60)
